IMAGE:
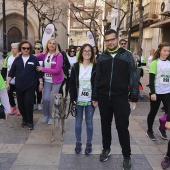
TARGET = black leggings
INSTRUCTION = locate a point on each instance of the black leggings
(11, 96)
(154, 106)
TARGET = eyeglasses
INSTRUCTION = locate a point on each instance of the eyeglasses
(72, 51)
(86, 51)
(37, 48)
(110, 40)
(26, 48)
(48, 59)
(123, 43)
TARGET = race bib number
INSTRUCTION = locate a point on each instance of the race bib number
(165, 80)
(85, 93)
(47, 75)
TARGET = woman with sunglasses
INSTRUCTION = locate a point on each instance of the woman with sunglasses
(81, 84)
(26, 77)
(53, 76)
(38, 94)
(72, 59)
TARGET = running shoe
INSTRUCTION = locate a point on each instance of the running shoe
(150, 135)
(13, 110)
(162, 133)
(165, 162)
(78, 147)
(18, 112)
(127, 164)
(88, 149)
(104, 156)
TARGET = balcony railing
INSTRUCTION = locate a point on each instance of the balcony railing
(150, 13)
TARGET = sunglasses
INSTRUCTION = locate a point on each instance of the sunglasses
(48, 59)
(26, 48)
(37, 48)
(123, 43)
(72, 51)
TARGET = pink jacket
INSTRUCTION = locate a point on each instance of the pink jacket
(56, 67)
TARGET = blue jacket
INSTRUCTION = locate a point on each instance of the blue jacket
(26, 77)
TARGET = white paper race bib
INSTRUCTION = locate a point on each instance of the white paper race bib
(165, 80)
(85, 94)
(48, 76)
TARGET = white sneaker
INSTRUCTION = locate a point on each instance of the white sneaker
(50, 121)
(39, 107)
(35, 107)
(45, 119)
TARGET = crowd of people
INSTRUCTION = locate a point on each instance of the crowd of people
(109, 80)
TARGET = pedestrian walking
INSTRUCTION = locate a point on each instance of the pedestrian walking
(81, 85)
(26, 76)
(159, 83)
(53, 76)
(38, 94)
(115, 72)
(9, 61)
(4, 100)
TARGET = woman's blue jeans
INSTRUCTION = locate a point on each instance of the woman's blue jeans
(89, 111)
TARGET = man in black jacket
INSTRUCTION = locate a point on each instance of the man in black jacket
(115, 73)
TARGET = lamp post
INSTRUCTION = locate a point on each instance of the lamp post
(71, 41)
(25, 19)
(4, 30)
(42, 23)
(130, 24)
(104, 24)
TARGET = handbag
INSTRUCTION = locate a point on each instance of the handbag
(162, 121)
(2, 112)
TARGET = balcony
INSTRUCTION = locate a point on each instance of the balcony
(150, 14)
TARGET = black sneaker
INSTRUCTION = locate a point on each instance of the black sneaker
(24, 124)
(150, 135)
(78, 147)
(31, 126)
(162, 133)
(104, 156)
(88, 149)
(127, 164)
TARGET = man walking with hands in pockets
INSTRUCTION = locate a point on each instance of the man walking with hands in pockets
(115, 73)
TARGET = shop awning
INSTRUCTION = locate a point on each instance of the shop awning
(161, 24)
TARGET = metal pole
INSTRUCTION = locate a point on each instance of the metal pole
(130, 24)
(25, 19)
(103, 38)
(4, 31)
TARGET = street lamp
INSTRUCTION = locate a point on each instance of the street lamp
(104, 24)
(130, 24)
(4, 31)
(42, 22)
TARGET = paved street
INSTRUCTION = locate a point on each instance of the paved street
(22, 149)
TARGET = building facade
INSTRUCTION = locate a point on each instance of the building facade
(15, 24)
(78, 30)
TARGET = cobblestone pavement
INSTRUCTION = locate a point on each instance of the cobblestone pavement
(22, 149)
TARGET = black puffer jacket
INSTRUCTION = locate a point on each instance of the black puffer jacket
(74, 80)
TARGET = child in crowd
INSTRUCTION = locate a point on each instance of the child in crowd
(159, 80)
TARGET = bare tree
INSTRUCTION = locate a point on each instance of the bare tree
(51, 10)
(88, 17)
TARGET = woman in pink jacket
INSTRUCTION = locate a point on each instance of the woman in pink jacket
(53, 76)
